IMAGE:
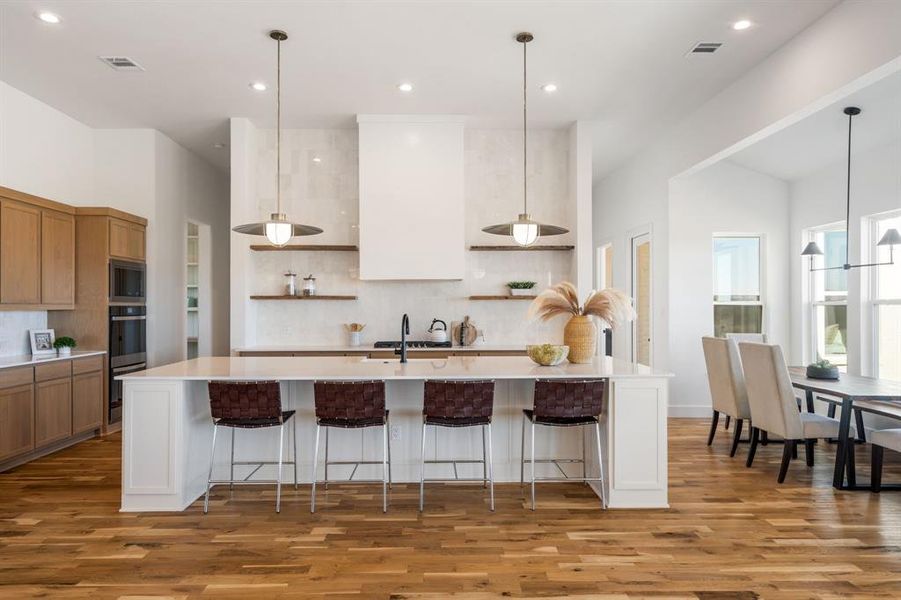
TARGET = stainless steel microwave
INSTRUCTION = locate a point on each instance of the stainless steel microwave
(127, 282)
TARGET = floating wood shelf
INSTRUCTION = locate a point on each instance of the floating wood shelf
(316, 297)
(502, 297)
(521, 248)
(303, 248)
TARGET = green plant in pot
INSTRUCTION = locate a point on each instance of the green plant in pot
(64, 345)
(822, 369)
(521, 288)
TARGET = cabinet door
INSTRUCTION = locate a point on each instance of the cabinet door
(20, 253)
(87, 399)
(52, 411)
(136, 242)
(118, 238)
(57, 258)
(16, 420)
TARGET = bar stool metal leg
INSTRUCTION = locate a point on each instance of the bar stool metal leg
(533, 465)
(315, 463)
(422, 468)
(490, 468)
(231, 486)
(206, 497)
(484, 459)
(326, 458)
(278, 485)
(584, 454)
(597, 428)
(385, 467)
(294, 441)
(388, 424)
(522, 453)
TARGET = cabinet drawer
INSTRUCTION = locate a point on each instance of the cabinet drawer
(16, 376)
(53, 370)
(89, 364)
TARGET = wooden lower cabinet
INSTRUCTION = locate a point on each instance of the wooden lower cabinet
(52, 411)
(87, 402)
(16, 420)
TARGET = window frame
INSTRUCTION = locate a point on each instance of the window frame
(875, 301)
(761, 275)
(813, 234)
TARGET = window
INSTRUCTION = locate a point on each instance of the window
(886, 303)
(829, 297)
(737, 305)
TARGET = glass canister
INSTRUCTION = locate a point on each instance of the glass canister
(309, 285)
(290, 283)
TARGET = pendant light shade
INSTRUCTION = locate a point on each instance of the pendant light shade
(524, 230)
(278, 229)
(890, 238)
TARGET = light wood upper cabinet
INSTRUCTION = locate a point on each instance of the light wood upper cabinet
(57, 258)
(53, 411)
(20, 253)
(126, 240)
(16, 420)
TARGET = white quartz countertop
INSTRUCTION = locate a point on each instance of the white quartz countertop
(25, 360)
(372, 348)
(298, 368)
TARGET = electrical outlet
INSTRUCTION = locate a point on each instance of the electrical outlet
(395, 433)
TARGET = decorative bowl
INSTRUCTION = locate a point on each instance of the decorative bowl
(829, 373)
(547, 355)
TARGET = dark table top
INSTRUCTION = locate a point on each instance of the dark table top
(848, 386)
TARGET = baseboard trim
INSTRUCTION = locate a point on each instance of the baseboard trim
(690, 412)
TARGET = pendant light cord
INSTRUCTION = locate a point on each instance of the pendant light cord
(848, 198)
(525, 174)
(278, 126)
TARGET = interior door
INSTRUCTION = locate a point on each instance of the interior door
(641, 293)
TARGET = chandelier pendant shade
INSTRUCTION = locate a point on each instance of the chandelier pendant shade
(524, 230)
(890, 238)
(278, 230)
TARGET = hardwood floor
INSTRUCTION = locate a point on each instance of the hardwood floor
(730, 533)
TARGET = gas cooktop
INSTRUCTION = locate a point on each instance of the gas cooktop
(414, 344)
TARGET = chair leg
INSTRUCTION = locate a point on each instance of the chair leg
(736, 436)
(787, 453)
(278, 485)
(713, 424)
(808, 451)
(294, 442)
(728, 421)
(522, 453)
(385, 467)
(315, 463)
(422, 469)
(795, 451)
(597, 430)
(764, 438)
(490, 469)
(876, 469)
(861, 430)
(752, 450)
(388, 421)
(533, 464)
(231, 472)
(830, 412)
(325, 484)
(206, 497)
(484, 463)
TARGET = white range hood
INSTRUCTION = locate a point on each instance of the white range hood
(411, 197)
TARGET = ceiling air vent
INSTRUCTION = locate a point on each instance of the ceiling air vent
(121, 63)
(705, 48)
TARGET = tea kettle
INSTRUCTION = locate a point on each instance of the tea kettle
(438, 331)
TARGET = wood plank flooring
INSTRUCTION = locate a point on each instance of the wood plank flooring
(731, 533)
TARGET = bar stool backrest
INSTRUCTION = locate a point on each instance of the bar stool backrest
(458, 399)
(349, 400)
(245, 400)
(569, 398)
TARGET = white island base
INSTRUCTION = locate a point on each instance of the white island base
(167, 430)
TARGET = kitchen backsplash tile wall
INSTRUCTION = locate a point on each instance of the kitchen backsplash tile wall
(14, 326)
(320, 186)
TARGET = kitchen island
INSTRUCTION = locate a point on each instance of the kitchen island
(167, 429)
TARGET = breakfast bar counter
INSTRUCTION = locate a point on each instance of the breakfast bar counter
(167, 428)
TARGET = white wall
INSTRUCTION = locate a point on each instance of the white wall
(722, 199)
(852, 45)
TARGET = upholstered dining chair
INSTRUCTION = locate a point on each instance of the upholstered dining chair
(881, 439)
(774, 408)
(727, 386)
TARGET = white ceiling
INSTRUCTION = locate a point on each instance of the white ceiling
(821, 139)
(620, 64)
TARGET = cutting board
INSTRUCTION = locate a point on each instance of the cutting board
(472, 332)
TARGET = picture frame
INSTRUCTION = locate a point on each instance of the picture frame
(42, 342)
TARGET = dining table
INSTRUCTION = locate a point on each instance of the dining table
(856, 394)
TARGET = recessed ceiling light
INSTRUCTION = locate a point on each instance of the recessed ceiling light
(219, 146)
(258, 86)
(741, 25)
(405, 87)
(550, 88)
(48, 17)
(316, 159)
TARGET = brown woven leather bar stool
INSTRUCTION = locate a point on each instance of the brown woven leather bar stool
(249, 405)
(352, 405)
(458, 404)
(566, 403)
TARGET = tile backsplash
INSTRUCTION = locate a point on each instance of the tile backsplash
(14, 326)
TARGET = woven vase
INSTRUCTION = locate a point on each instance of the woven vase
(580, 335)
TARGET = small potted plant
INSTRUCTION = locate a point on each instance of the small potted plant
(521, 288)
(822, 369)
(64, 345)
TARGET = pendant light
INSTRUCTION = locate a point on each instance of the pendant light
(524, 230)
(278, 229)
(890, 238)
